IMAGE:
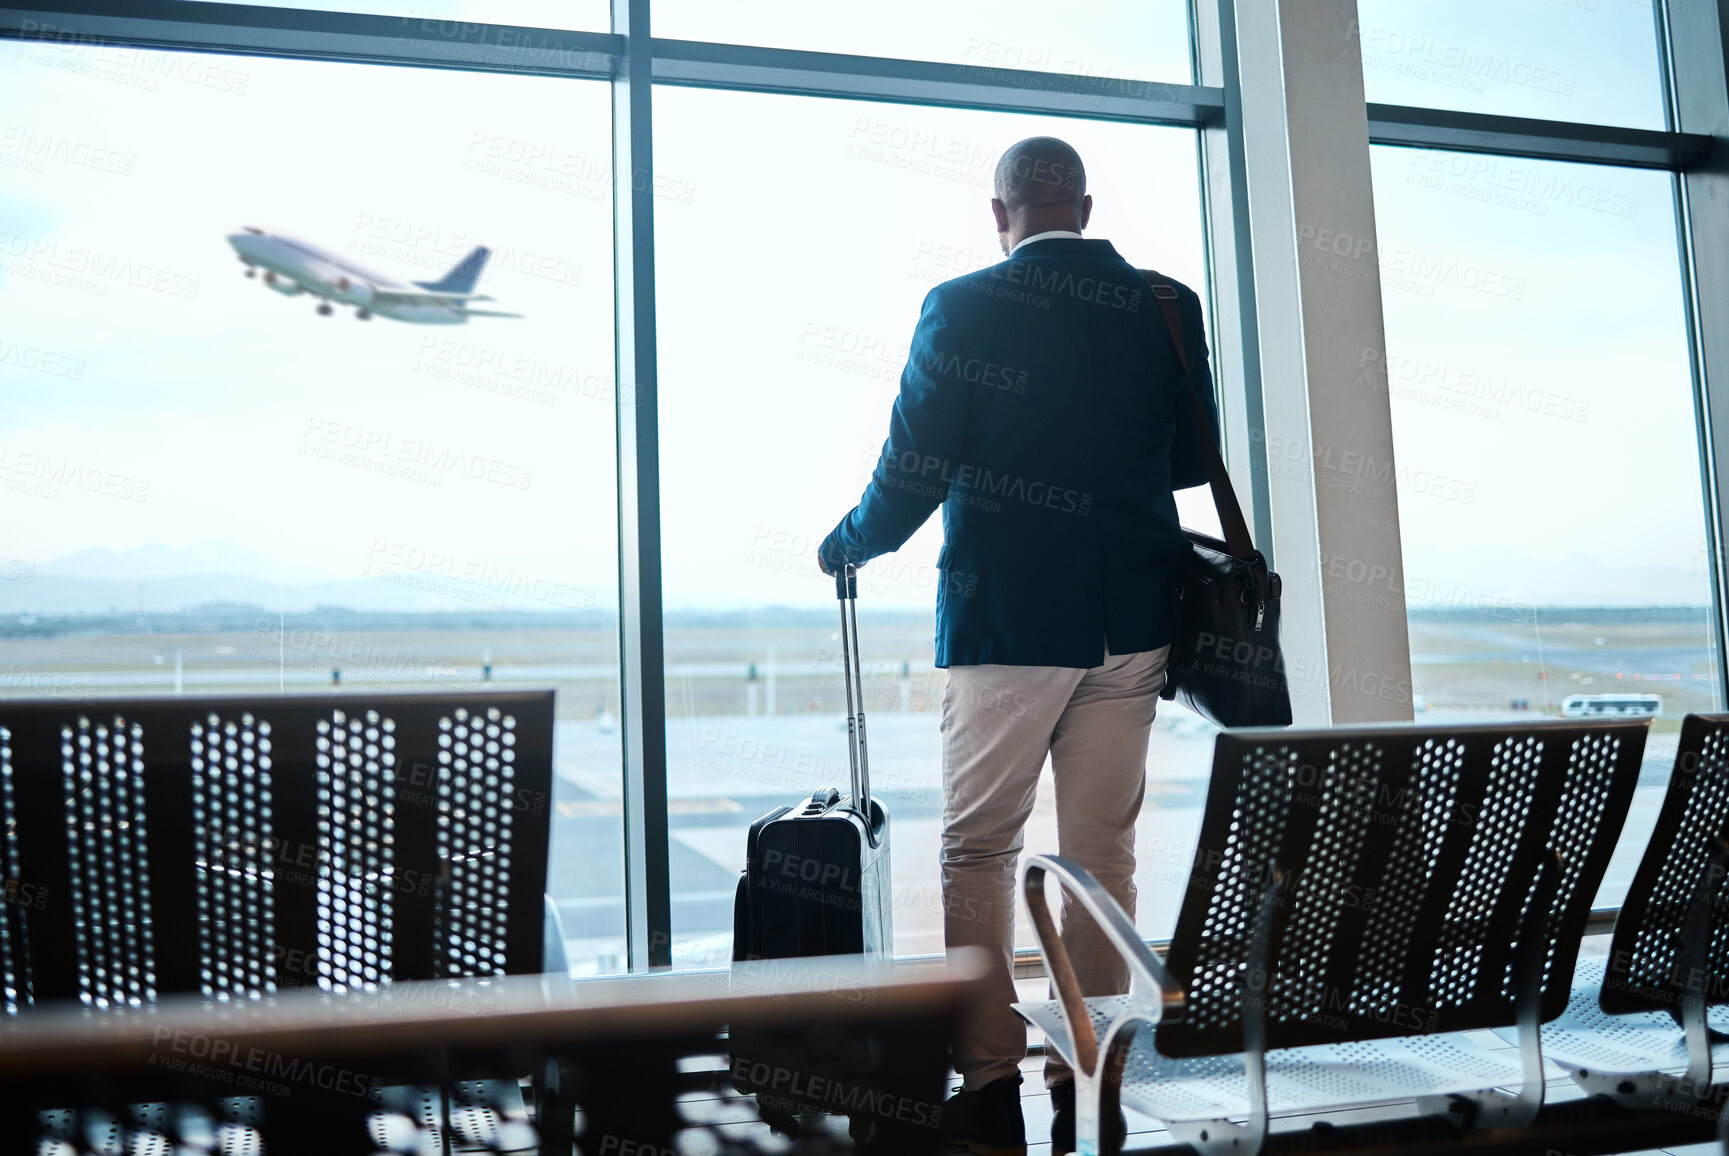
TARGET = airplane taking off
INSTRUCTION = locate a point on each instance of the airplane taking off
(292, 267)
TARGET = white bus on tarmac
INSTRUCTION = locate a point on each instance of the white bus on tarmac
(1612, 706)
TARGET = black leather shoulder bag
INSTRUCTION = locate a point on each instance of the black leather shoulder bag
(1225, 661)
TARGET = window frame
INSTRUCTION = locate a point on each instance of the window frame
(632, 62)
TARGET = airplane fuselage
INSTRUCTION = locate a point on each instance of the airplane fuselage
(291, 267)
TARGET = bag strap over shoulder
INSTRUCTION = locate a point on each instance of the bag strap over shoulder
(1231, 521)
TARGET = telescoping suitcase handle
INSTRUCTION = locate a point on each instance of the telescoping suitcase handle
(858, 755)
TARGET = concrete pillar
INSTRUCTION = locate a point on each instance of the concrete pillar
(1328, 432)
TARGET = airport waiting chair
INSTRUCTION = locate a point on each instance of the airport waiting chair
(238, 847)
(1360, 899)
(1636, 1028)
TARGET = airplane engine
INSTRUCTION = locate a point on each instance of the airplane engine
(354, 292)
(286, 286)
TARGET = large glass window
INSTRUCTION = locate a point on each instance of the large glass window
(1593, 61)
(1128, 40)
(1548, 459)
(789, 285)
(209, 487)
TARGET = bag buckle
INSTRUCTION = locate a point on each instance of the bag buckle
(1165, 292)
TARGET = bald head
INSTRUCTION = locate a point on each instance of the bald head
(1040, 171)
(1041, 185)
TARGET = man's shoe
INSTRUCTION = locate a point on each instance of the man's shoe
(1063, 1123)
(987, 1122)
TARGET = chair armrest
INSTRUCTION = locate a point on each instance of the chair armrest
(1146, 970)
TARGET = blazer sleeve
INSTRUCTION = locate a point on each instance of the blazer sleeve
(1188, 467)
(926, 426)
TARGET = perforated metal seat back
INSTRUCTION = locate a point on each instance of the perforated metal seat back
(1408, 857)
(1643, 973)
(234, 846)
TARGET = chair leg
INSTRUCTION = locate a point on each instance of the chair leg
(1494, 1109)
(1691, 957)
(555, 1107)
(1088, 1114)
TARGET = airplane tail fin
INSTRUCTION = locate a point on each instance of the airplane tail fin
(461, 279)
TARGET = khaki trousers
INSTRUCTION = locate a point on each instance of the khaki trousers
(998, 724)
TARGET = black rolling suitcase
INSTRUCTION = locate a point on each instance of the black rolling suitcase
(816, 877)
(816, 882)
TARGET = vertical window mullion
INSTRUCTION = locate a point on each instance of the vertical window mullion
(648, 901)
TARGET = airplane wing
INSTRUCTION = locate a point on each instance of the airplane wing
(424, 297)
(489, 313)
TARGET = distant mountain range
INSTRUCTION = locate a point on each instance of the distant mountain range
(157, 562)
(1501, 577)
(159, 579)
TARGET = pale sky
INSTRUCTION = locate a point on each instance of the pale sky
(217, 392)
(795, 241)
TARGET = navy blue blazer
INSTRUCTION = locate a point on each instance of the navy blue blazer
(1041, 407)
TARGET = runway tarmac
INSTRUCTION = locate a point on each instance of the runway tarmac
(730, 759)
(723, 772)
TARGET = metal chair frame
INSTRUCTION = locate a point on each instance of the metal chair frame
(228, 846)
(1637, 1032)
(1507, 828)
(234, 847)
